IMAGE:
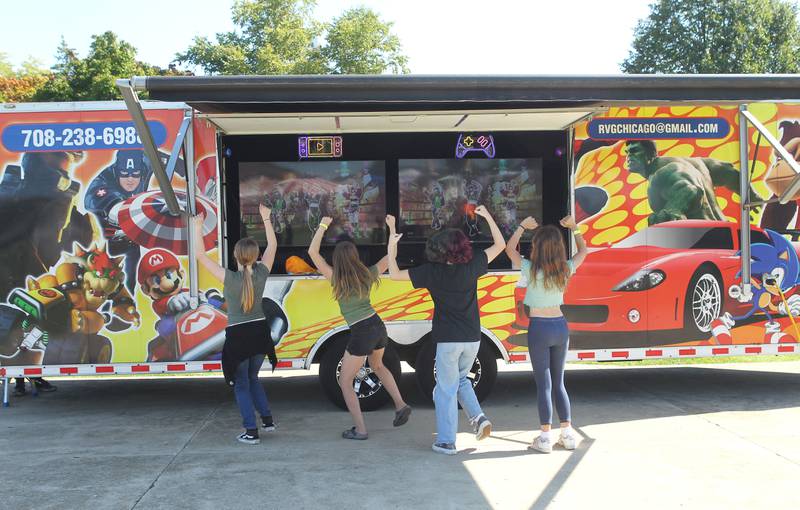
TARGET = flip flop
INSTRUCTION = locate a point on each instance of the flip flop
(351, 433)
(401, 416)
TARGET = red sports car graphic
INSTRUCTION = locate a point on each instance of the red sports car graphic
(672, 277)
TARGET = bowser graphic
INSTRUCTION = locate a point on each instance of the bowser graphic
(184, 333)
(57, 318)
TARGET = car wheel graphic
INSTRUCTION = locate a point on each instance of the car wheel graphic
(703, 302)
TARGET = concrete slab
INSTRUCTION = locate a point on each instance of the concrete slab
(658, 437)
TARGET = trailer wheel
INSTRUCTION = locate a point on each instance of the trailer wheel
(371, 393)
(483, 373)
(703, 302)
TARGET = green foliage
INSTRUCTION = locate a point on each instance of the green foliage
(92, 78)
(716, 36)
(358, 42)
(5, 65)
(282, 37)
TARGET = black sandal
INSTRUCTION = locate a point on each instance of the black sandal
(401, 416)
(351, 433)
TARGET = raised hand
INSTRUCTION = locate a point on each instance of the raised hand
(529, 223)
(264, 211)
(326, 220)
(391, 222)
(568, 222)
(482, 211)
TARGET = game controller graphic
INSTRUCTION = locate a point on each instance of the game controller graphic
(475, 143)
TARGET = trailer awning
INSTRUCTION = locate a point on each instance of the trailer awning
(382, 103)
(261, 94)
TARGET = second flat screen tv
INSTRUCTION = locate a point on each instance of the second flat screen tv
(442, 193)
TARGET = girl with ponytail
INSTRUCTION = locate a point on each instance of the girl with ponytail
(247, 337)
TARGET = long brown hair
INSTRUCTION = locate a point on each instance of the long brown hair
(246, 252)
(351, 278)
(549, 256)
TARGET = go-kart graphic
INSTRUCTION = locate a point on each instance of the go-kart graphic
(192, 335)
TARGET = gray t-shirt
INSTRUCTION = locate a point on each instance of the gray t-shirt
(232, 290)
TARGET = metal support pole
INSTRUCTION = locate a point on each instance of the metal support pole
(143, 130)
(571, 168)
(191, 207)
(175, 155)
(744, 197)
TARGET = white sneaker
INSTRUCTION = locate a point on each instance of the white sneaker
(567, 440)
(542, 445)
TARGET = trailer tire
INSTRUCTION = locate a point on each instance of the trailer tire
(483, 373)
(369, 397)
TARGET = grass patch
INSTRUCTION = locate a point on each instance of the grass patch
(696, 361)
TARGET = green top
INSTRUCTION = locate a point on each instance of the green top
(357, 308)
(232, 291)
(537, 296)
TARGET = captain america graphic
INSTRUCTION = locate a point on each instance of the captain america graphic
(127, 176)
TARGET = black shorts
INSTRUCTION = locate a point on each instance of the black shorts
(366, 336)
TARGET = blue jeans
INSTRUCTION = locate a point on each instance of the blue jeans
(548, 341)
(249, 392)
(453, 362)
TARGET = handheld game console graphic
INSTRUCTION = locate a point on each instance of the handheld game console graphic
(474, 143)
(319, 146)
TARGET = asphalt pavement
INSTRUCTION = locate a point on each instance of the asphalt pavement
(706, 437)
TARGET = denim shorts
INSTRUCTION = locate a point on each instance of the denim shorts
(366, 336)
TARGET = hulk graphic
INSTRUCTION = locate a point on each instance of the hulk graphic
(681, 188)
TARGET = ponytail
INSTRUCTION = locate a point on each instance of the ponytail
(247, 289)
(245, 252)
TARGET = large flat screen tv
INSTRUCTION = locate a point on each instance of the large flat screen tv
(301, 193)
(442, 193)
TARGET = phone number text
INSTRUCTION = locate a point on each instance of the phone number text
(75, 137)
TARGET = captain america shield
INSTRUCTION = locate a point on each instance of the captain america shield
(146, 220)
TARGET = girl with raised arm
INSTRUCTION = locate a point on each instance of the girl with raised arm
(352, 281)
(247, 337)
(547, 271)
(451, 276)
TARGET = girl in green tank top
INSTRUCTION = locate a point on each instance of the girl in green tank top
(351, 283)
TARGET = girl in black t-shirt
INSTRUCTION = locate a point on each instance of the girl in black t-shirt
(451, 277)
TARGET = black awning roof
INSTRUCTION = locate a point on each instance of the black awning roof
(261, 94)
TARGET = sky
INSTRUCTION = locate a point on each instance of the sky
(438, 36)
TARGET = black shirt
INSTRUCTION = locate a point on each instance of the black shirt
(453, 288)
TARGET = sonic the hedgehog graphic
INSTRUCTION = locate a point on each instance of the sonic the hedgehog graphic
(775, 271)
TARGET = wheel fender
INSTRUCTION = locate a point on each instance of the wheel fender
(335, 332)
(496, 342)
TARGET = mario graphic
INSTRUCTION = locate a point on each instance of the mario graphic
(161, 277)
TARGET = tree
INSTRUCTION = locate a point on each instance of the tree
(282, 37)
(358, 42)
(716, 37)
(5, 65)
(20, 85)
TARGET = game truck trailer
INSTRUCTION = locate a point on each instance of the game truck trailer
(99, 274)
